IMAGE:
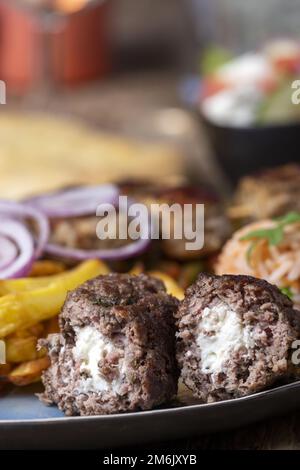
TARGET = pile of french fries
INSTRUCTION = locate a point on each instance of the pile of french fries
(29, 309)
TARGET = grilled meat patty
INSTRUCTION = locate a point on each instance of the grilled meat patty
(235, 336)
(116, 349)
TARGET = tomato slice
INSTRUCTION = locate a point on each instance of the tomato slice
(213, 85)
(287, 64)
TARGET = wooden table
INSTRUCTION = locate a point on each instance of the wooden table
(277, 434)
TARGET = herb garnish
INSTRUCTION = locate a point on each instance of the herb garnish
(287, 291)
(273, 235)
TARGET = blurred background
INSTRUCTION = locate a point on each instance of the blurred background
(136, 70)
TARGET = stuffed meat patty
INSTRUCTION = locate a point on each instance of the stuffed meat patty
(116, 349)
(235, 336)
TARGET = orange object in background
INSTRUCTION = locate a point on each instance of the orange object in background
(69, 6)
(18, 48)
(64, 48)
(80, 47)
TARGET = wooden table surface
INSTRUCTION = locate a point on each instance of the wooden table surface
(117, 105)
(276, 434)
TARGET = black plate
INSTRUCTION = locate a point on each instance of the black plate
(35, 431)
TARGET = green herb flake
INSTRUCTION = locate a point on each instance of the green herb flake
(287, 291)
(290, 218)
(274, 235)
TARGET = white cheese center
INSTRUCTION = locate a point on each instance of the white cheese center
(220, 334)
(90, 348)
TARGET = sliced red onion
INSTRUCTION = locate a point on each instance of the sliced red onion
(8, 252)
(17, 232)
(124, 252)
(21, 211)
(75, 202)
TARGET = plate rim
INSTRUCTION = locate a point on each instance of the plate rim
(142, 414)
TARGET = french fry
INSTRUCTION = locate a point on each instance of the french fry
(47, 268)
(37, 330)
(22, 349)
(14, 286)
(137, 269)
(172, 287)
(28, 372)
(24, 309)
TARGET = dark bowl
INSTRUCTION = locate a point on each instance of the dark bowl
(242, 151)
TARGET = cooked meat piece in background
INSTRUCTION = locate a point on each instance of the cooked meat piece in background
(217, 226)
(80, 232)
(235, 336)
(116, 349)
(271, 193)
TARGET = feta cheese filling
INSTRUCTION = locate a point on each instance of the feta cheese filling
(221, 333)
(92, 347)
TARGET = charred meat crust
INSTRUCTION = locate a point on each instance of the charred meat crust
(260, 306)
(137, 315)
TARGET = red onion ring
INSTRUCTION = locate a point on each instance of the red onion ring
(75, 202)
(125, 252)
(8, 252)
(21, 211)
(18, 233)
(122, 253)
